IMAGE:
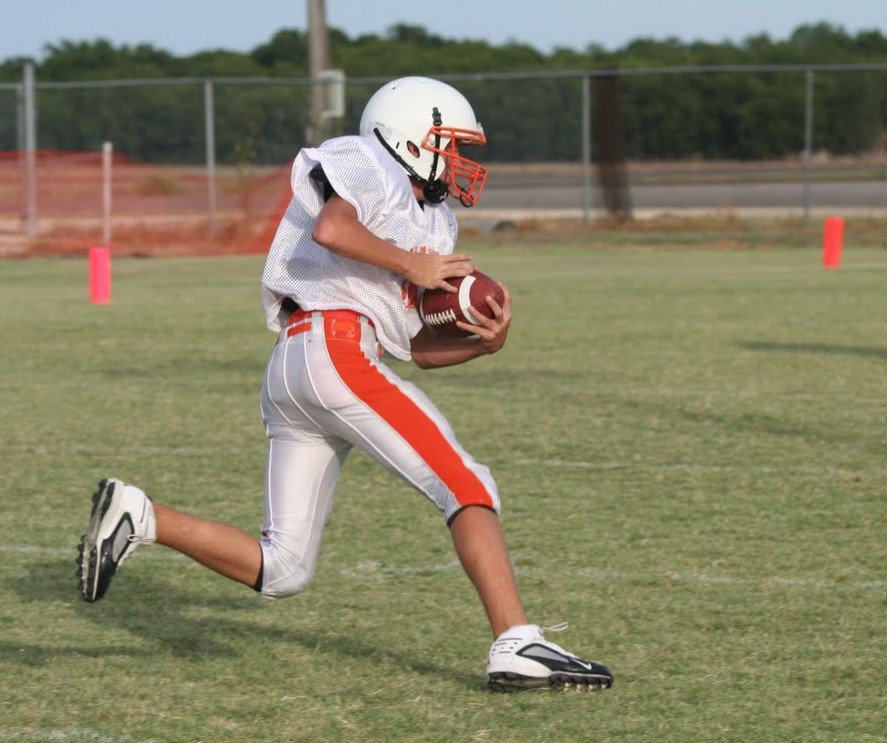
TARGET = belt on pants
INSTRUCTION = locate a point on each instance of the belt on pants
(345, 325)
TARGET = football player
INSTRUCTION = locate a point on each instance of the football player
(368, 227)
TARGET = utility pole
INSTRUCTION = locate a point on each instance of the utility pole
(318, 61)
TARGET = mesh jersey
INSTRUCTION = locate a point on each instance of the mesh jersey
(364, 174)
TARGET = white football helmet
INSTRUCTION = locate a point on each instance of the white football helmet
(422, 122)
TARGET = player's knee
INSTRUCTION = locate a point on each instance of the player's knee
(284, 572)
(287, 583)
(485, 496)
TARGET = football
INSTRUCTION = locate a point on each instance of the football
(440, 310)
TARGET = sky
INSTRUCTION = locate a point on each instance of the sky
(187, 26)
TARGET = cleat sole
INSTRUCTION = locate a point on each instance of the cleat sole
(508, 683)
(87, 554)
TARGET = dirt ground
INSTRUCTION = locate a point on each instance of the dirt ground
(161, 210)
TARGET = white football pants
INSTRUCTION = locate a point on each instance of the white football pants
(326, 391)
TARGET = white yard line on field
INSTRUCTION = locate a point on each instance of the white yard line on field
(69, 736)
(569, 389)
(100, 451)
(196, 451)
(693, 467)
(364, 569)
(371, 570)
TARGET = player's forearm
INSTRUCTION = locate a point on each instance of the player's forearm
(431, 352)
(344, 235)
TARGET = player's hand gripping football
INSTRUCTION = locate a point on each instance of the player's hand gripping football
(431, 271)
(492, 331)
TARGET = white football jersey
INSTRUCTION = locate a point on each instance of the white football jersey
(364, 174)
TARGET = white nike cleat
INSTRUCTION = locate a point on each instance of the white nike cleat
(521, 658)
(122, 518)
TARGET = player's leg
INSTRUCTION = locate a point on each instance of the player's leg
(300, 484)
(304, 463)
(480, 545)
(124, 517)
(363, 401)
(302, 470)
(225, 548)
(520, 656)
(299, 491)
(392, 420)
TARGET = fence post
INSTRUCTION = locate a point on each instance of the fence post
(20, 149)
(30, 142)
(586, 149)
(209, 123)
(808, 140)
(20, 117)
(107, 160)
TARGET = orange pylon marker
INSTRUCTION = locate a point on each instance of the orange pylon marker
(832, 241)
(99, 275)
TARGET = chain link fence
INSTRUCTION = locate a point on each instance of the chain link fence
(550, 134)
(715, 113)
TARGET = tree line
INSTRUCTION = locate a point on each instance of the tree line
(737, 115)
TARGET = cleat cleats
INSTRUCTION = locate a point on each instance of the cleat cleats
(122, 517)
(521, 658)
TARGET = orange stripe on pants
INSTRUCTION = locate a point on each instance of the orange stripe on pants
(406, 418)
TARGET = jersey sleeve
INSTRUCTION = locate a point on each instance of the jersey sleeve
(353, 172)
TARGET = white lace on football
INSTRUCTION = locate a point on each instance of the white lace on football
(440, 318)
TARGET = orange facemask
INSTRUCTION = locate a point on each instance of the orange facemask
(466, 178)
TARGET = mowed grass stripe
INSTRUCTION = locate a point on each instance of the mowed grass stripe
(691, 467)
(374, 571)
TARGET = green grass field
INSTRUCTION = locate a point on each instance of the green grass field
(692, 454)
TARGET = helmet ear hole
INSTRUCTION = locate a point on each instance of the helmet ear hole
(413, 148)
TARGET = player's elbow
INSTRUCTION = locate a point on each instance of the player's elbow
(335, 226)
(422, 361)
(420, 345)
(324, 232)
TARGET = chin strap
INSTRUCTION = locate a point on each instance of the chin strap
(433, 189)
